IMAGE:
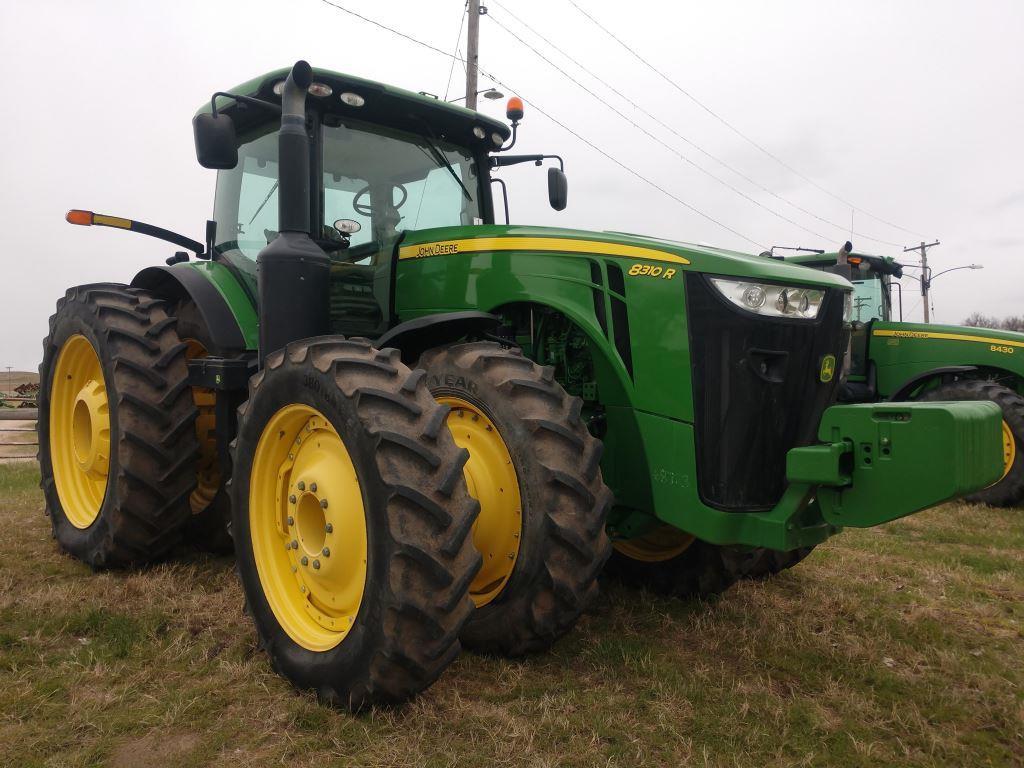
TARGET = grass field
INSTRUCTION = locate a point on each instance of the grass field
(897, 646)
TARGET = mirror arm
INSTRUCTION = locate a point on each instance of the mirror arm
(249, 100)
(498, 162)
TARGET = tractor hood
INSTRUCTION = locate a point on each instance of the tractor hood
(969, 333)
(691, 257)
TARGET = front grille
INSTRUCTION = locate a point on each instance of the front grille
(757, 392)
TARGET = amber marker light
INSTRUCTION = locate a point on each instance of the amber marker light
(82, 218)
(514, 109)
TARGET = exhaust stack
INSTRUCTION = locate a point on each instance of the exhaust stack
(293, 271)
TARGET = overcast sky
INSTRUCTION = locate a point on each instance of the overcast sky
(912, 111)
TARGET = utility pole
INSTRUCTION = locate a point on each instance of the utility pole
(472, 51)
(926, 281)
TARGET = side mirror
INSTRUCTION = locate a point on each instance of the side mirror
(216, 146)
(558, 189)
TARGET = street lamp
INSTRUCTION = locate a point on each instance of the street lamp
(926, 280)
(927, 277)
(488, 93)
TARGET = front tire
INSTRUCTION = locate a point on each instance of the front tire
(536, 471)
(763, 563)
(351, 522)
(116, 426)
(668, 562)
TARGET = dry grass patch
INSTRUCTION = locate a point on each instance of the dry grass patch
(900, 645)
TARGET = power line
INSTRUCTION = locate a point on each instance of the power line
(458, 40)
(652, 136)
(733, 128)
(557, 122)
(393, 31)
(640, 176)
(680, 136)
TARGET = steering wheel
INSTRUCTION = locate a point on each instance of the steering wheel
(365, 209)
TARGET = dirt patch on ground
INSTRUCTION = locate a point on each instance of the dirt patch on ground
(155, 748)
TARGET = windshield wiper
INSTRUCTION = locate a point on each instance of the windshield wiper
(265, 199)
(442, 162)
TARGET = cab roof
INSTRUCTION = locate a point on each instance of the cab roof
(383, 104)
(885, 265)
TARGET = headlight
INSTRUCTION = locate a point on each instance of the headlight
(772, 300)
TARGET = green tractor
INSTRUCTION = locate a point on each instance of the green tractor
(426, 429)
(900, 361)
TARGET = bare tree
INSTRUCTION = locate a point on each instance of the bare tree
(1011, 323)
(978, 320)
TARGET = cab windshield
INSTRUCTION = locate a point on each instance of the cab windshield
(385, 181)
(869, 300)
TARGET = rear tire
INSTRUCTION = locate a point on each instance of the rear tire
(374, 439)
(564, 503)
(116, 425)
(1009, 490)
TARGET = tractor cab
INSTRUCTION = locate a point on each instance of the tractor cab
(383, 162)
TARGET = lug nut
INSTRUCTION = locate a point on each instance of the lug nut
(326, 552)
(291, 500)
(291, 520)
(316, 564)
(304, 560)
(301, 485)
(323, 503)
(312, 487)
(295, 544)
(329, 528)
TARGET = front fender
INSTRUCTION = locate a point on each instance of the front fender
(226, 309)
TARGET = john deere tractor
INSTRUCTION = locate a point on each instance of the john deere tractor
(430, 429)
(902, 361)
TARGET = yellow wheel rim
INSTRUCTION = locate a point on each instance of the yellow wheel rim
(79, 431)
(491, 480)
(208, 466)
(1009, 449)
(308, 527)
(656, 546)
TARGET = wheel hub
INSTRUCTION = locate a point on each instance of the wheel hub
(491, 480)
(79, 432)
(308, 527)
(90, 431)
